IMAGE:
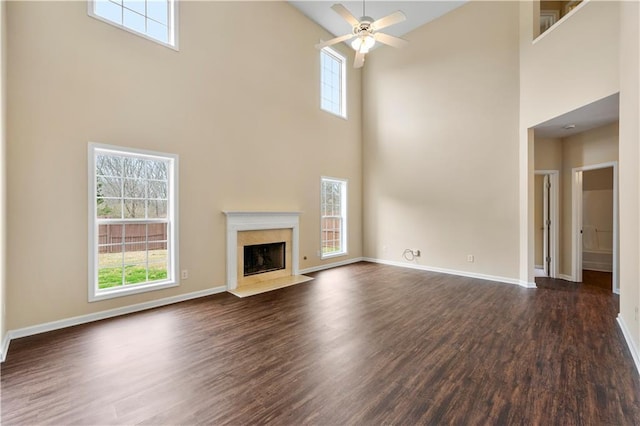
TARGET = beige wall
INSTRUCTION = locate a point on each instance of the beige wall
(548, 153)
(598, 179)
(240, 108)
(440, 143)
(3, 254)
(629, 165)
(581, 54)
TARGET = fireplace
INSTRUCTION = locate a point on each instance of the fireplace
(263, 258)
(261, 247)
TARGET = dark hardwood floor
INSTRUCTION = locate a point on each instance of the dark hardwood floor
(598, 279)
(361, 344)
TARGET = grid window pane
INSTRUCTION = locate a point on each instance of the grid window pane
(108, 208)
(109, 186)
(152, 18)
(331, 87)
(158, 190)
(157, 209)
(158, 11)
(134, 209)
(135, 188)
(130, 248)
(158, 31)
(333, 217)
(133, 21)
(108, 10)
(135, 5)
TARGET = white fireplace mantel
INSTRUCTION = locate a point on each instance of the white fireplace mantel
(253, 221)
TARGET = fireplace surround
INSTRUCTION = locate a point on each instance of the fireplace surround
(246, 228)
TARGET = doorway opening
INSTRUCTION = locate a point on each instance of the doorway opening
(546, 208)
(595, 229)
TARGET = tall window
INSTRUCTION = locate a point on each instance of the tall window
(132, 221)
(333, 217)
(332, 82)
(152, 19)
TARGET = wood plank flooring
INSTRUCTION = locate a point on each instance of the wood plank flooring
(361, 344)
(598, 278)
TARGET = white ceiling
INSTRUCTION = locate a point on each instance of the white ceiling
(596, 114)
(418, 13)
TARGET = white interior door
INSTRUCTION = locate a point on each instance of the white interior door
(546, 220)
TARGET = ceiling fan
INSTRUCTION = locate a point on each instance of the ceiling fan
(365, 32)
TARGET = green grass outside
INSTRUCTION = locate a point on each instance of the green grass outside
(133, 274)
(326, 250)
(111, 276)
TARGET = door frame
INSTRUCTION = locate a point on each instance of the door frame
(554, 216)
(576, 229)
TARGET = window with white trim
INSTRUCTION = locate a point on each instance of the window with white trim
(333, 217)
(332, 82)
(151, 19)
(132, 221)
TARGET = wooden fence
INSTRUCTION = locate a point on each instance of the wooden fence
(136, 237)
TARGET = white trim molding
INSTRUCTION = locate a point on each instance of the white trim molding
(5, 347)
(253, 221)
(493, 278)
(635, 354)
(331, 265)
(97, 316)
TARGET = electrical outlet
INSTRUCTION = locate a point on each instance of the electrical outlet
(470, 258)
(185, 274)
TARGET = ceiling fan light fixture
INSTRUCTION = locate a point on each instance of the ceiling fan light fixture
(362, 44)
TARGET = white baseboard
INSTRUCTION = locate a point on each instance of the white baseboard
(630, 343)
(453, 272)
(83, 319)
(597, 266)
(5, 347)
(566, 277)
(330, 265)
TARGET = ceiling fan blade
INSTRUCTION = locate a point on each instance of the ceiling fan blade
(334, 41)
(346, 15)
(359, 61)
(389, 20)
(390, 40)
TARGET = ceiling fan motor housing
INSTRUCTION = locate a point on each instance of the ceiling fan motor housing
(364, 26)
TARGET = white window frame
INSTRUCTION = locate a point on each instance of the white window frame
(172, 24)
(343, 81)
(343, 214)
(96, 294)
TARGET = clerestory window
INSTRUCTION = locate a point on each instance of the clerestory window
(152, 19)
(332, 82)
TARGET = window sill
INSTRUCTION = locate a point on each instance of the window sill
(344, 117)
(332, 255)
(134, 289)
